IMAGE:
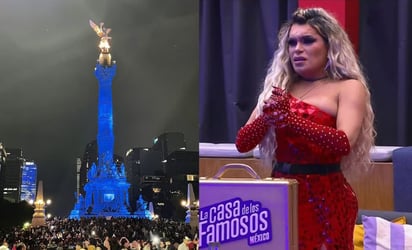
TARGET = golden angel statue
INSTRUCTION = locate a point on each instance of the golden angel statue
(104, 45)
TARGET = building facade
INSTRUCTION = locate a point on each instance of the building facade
(11, 174)
(3, 155)
(169, 142)
(28, 181)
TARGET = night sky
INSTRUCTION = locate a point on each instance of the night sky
(48, 92)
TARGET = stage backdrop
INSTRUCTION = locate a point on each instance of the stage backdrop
(385, 51)
(237, 40)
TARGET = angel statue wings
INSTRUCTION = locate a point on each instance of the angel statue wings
(104, 45)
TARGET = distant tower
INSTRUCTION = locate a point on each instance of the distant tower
(28, 181)
(78, 172)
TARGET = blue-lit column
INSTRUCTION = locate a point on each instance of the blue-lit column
(106, 189)
(105, 136)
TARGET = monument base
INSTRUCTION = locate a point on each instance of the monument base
(106, 197)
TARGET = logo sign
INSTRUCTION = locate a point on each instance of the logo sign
(234, 219)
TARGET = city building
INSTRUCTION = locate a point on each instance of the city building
(160, 173)
(11, 174)
(141, 162)
(182, 162)
(169, 142)
(3, 155)
(28, 181)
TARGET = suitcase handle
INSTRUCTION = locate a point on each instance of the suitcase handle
(239, 166)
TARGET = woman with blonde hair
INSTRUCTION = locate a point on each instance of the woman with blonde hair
(314, 122)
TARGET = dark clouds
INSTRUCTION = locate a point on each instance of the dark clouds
(48, 92)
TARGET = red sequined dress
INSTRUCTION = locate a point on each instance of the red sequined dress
(327, 204)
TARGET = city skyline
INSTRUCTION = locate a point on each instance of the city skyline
(49, 92)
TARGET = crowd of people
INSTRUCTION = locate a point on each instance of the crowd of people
(102, 233)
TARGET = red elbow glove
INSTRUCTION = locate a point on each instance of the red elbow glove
(251, 134)
(330, 139)
(333, 140)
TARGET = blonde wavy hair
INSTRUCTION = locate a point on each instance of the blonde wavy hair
(343, 64)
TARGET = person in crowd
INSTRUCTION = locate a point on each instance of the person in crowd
(169, 245)
(52, 245)
(124, 243)
(92, 243)
(313, 122)
(114, 243)
(162, 244)
(147, 245)
(135, 245)
(43, 246)
(106, 242)
(21, 246)
(4, 245)
(185, 244)
(79, 246)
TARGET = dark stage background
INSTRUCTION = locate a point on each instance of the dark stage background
(237, 40)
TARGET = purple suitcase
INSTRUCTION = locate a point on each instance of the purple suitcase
(247, 213)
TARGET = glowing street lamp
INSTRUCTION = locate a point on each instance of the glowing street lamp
(26, 225)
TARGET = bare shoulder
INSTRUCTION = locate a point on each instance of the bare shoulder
(353, 91)
(351, 84)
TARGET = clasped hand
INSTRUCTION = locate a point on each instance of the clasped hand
(277, 108)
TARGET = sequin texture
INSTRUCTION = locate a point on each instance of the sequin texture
(327, 204)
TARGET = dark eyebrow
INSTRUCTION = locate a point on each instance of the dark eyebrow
(303, 36)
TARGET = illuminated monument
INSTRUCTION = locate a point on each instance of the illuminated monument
(107, 189)
(39, 216)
